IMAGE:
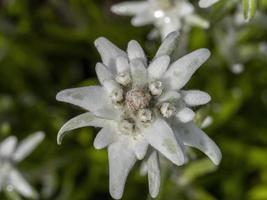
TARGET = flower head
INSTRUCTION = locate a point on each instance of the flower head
(166, 15)
(10, 155)
(145, 109)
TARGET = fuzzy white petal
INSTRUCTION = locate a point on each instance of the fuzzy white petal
(138, 72)
(153, 170)
(185, 115)
(158, 67)
(143, 168)
(129, 7)
(196, 20)
(193, 136)
(143, 18)
(21, 185)
(174, 24)
(206, 3)
(121, 160)
(195, 97)
(206, 122)
(83, 120)
(104, 137)
(27, 145)
(108, 52)
(110, 85)
(134, 51)
(103, 74)
(140, 146)
(161, 137)
(181, 71)
(92, 98)
(7, 147)
(153, 34)
(168, 45)
(169, 96)
(122, 64)
(185, 8)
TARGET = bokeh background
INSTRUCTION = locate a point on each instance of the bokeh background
(47, 46)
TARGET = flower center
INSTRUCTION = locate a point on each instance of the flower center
(139, 105)
(137, 99)
(156, 88)
(145, 115)
(167, 110)
(126, 127)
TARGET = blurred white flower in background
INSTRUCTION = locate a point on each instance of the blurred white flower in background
(140, 105)
(228, 37)
(10, 155)
(166, 15)
(206, 3)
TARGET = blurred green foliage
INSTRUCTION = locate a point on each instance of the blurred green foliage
(47, 46)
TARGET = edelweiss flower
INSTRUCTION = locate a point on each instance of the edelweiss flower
(10, 155)
(227, 38)
(140, 104)
(166, 15)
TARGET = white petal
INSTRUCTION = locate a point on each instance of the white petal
(206, 3)
(7, 147)
(185, 115)
(104, 137)
(184, 9)
(134, 51)
(92, 98)
(196, 20)
(169, 96)
(2, 179)
(5, 169)
(110, 85)
(108, 52)
(153, 34)
(196, 97)
(161, 137)
(83, 120)
(174, 24)
(121, 160)
(181, 71)
(122, 64)
(193, 136)
(206, 122)
(143, 168)
(27, 145)
(153, 174)
(129, 8)
(158, 67)
(21, 185)
(103, 74)
(143, 18)
(140, 146)
(168, 45)
(138, 72)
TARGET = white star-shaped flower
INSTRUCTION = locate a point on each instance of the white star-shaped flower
(140, 104)
(10, 155)
(166, 15)
(227, 39)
